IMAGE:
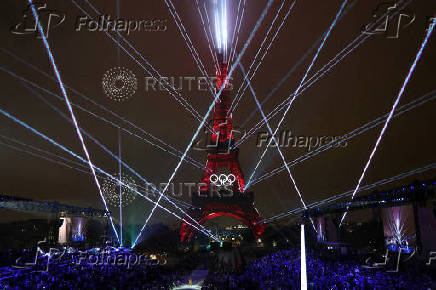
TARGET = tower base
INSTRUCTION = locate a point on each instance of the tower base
(223, 203)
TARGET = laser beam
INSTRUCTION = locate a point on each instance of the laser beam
(207, 35)
(299, 87)
(356, 132)
(320, 73)
(82, 166)
(188, 42)
(233, 51)
(178, 154)
(350, 192)
(114, 156)
(174, 93)
(382, 132)
(209, 110)
(239, 95)
(70, 109)
(272, 137)
(294, 67)
(39, 155)
(33, 130)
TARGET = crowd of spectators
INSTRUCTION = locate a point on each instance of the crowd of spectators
(281, 270)
(278, 270)
(67, 271)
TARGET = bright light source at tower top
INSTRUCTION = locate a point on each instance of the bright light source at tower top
(220, 19)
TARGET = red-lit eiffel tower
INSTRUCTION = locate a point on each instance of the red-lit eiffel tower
(222, 164)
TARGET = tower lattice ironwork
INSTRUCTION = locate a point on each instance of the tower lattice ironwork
(223, 168)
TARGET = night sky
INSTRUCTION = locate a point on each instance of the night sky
(359, 89)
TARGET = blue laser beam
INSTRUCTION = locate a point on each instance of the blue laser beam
(232, 54)
(174, 93)
(181, 203)
(294, 183)
(207, 35)
(178, 154)
(291, 71)
(391, 113)
(350, 192)
(70, 109)
(85, 165)
(33, 130)
(234, 30)
(244, 85)
(324, 70)
(299, 87)
(272, 136)
(111, 154)
(44, 151)
(188, 41)
(356, 132)
(42, 156)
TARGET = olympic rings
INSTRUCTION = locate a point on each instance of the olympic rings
(222, 179)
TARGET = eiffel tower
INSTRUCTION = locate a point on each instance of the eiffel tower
(229, 197)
